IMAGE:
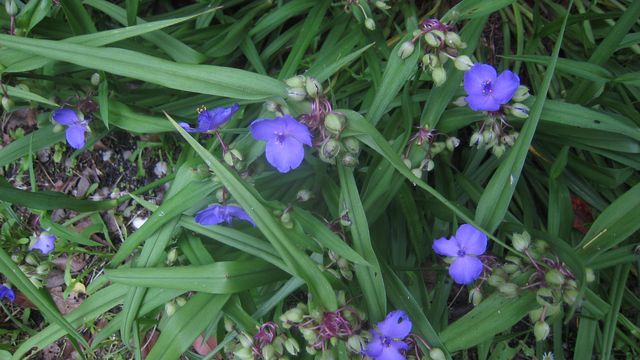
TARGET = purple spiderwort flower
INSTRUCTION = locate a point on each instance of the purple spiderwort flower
(216, 214)
(76, 126)
(285, 138)
(45, 242)
(7, 292)
(487, 91)
(388, 337)
(464, 247)
(210, 120)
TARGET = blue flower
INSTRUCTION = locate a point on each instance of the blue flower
(210, 120)
(486, 90)
(45, 242)
(388, 337)
(285, 138)
(464, 247)
(216, 214)
(76, 126)
(7, 292)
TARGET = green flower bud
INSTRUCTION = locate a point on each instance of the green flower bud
(11, 7)
(345, 220)
(334, 122)
(7, 103)
(591, 276)
(460, 102)
(382, 5)
(232, 157)
(298, 81)
(436, 354)
(519, 110)
(463, 63)
(95, 79)
(170, 308)
(498, 150)
(313, 87)
(245, 340)
(406, 49)
(570, 296)
(541, 330)
(554, 278)
(229, 326)
(544, 297)
(495, 280)
(417, 172)
(180, 301)
(522, 94)
(172, 256)
(356, 344)
(43, 269)
(475, 296)
(292, 347)
(453, 40)
(407, 162)
(304, 195)
(476, 139)
(36, 282)
(521, 242)
(437, 147)
(554, 309)
(285, 219)
(330, 150)
(488, 136)
(508, 289)
(294, 315)
(271, 106)
(310, 349)
(510, 268)
(430, 165)
(17, 258)
(507, 140)
(536, 314)
(439, 76)
(349, 160)
(244, 353)
(452, 143)
(370, 24)
(296, 94)
(443, 57)
(31, 259)
(434, 38)
(352, 145)
(431, 61)
(268, 352)
(513, 259)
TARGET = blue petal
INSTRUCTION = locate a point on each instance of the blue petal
(296, 130)
(482, 103)
(375, 346)
(471, 240)
(505, 86)
(238, 213)
(45, 243)
(213, 215)
(446, 247)
(210, 120)
(188, 127)
(396, 325)
(266, 129)
(477, 76)
(66, 117)
(286, 155)
(466, 269)
(7, 292)
(75, 136)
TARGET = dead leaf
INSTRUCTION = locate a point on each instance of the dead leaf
(205, 347)
(65, 305)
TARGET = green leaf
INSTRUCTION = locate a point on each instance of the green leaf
(204, 79)
(77, 16)
(37, 140)
(471, 9)
(580, 69)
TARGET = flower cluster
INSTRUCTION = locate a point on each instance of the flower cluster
(389, 338)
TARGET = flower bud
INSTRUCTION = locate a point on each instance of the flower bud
(541, 330)
(443, 57)
(222, 195)
(42, 269)
(460, 102)
(36, 282)
(453, 40)
(285, 219)
(294, 315)
(463, 63)
(498, 150)
(507, 140)
(434, 38)
(349, 160)
(476, 139)
(370, 24)
(244, 353)
(591, 277)
(382, 5)
(303, 195)
(436, 354)
(519, 110)
(544, 297)
(356, 344)
(522, 94)
(452, 143)
(554, 278)
(11, 7)
(431, 61)
(334, 123)
(170, 308)
(521, 241)
(352, 145)
(488, 137)
(430, 165)
(406, 49)
(271, 106)
(554, 309)
(296, 94)
(536, 314)
(508, 289)
(330, 149)
(268, 352)
(7, 103)
(439, 76)
(95, 79)
(437, 147)
(570, 296)
(31, 259)
(495, 280)
(313, 87)
(510, 268)
(417, 172)
(475, 296)
(345, 220)
(232, 156)
(17, 258)
(245, 340)
(310, 349)
(292, 347)
(172, 256)
(298, 81)
(407, 162)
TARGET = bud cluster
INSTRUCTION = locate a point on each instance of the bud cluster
(363, 11)
(442, 43)
(426, 140)
(269, 343)
(338, 267)
(36, 269)
(496, 134)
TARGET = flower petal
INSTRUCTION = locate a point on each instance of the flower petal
(239, 213)
(477, 76)
(505, 86)
(209, 120)
(65, 117)
(7, 292)
(392, 352)
(75, 136)
(465, 269)
(446, 247)
(212, 215)
(482, 103)
(396, 325)
(188, 127)
(44, 242)
(297, 130)
(266, 129)
(285, 155)
(471, 240)
(374, 347)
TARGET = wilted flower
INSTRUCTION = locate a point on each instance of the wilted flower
(76, 126)
(487, 91)
(464, 247)
(388, 337)
(7, 292)
(285, 138)
(216, 214)
(210, 120)
(45, 242)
